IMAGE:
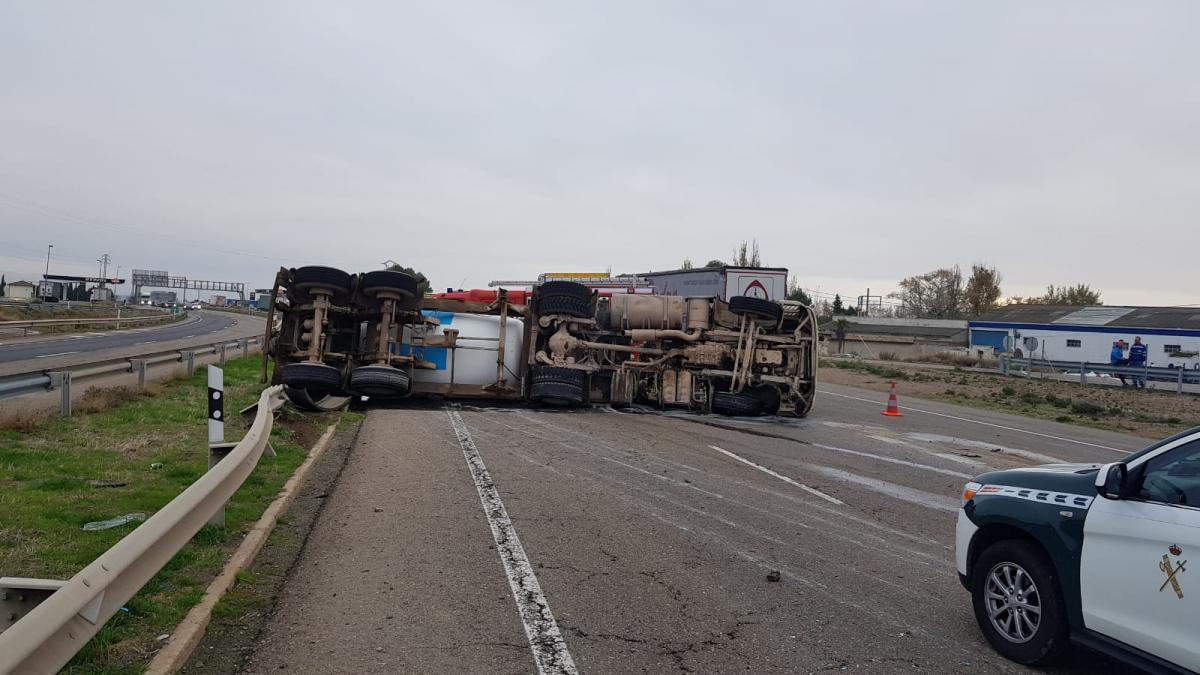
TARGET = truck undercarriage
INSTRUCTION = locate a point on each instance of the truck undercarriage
(334, 336)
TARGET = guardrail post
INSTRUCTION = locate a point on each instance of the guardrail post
(1179, 381)
(245, 347)
(139, 366)
(190, 359)
(1083, 372)
(64, 384)
(217, 447)
(221, 353)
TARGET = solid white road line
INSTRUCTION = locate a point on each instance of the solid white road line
(789, 481)
(545, 639)
(986, 424)
(46, 356)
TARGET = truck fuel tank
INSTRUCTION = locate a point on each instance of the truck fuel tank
(631, 311)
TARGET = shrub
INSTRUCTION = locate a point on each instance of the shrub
(1085, 408)
(889, 356)
(1063, 418)
(1031, 398)
(1008, 391)
(1060, 402)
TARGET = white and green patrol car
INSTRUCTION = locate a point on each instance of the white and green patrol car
(1091, 554)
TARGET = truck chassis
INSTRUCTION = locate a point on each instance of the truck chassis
(334, 336)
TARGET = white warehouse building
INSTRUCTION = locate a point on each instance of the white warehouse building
(1067, 333)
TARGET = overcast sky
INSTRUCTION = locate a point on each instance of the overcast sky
(859, 142)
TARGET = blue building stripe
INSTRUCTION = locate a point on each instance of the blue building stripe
(1067, 328)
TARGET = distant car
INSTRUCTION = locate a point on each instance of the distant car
(1091, 554)
(194, 305)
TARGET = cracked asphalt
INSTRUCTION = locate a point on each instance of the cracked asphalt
(655, 551)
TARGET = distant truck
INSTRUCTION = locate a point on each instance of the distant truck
(767, 283)
(564, 344)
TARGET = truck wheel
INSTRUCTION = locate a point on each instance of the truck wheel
(1017, 602)
(318, 378)
(315, 276)
(744, 305)
(557, 386)
(736, 405)
(379, 381)
(565, 297)
(387, 280)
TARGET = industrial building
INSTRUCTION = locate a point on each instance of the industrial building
(1069, 333)
(18, 290)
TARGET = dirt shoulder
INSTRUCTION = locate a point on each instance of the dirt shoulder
(1152, 414)
(240, 616)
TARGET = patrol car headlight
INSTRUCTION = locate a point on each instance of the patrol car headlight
(969, 491)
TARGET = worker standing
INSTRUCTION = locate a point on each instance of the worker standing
(1117, 358)
(1137, 359)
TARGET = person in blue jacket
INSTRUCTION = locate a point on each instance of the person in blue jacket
(1137, 358)
(1117, 358)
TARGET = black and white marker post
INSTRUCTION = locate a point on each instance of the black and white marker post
(217, 447)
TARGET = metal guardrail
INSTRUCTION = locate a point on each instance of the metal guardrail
(44, 638)
(26, 324)
(1180, 376)
(62, 379)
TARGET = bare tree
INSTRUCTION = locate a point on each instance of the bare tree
(933, 295)
(796, 293)
(745, 254)
(983, 290)
(686, 264)
(1079, 294)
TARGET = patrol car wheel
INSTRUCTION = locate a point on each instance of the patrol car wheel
(1018, 604)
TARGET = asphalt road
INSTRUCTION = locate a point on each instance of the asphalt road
(85, 341)
(500, 539)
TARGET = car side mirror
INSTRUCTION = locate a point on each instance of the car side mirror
(1111, 480)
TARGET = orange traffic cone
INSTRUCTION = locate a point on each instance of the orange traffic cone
(893, 406)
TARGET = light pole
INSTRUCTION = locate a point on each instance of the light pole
(48, 247)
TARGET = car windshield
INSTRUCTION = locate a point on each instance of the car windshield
(1154, 446)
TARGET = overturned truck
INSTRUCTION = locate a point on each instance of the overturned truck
(373, 336)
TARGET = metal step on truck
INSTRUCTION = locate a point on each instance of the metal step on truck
(565, 342)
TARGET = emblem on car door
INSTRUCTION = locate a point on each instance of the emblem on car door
(1172, 570)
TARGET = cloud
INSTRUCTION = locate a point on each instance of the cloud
(855, 141)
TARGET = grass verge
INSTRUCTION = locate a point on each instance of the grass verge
(132, 454)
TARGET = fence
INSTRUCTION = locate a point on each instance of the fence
(46, 622)
(32, 383)
(1029, 365)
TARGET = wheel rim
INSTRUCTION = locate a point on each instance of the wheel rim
(1013, 603)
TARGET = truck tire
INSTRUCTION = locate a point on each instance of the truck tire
(736, 405)
(315, 276)
(565, 297)
(379, 381)
(757, 308)
(387, 280)
(557, 386)
(1042, 637)
(317, 378)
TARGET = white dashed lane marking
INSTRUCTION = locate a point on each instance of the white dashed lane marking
(789, 481)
